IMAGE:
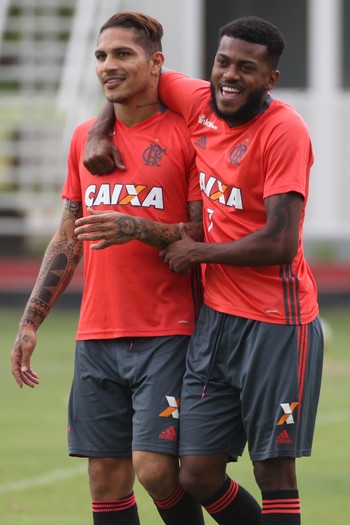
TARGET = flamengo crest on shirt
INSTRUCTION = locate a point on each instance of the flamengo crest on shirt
(124, 194)
(153, 155)
(215, 190)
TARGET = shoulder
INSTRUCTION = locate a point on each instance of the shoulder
(175, 123)
(285, 114)
(182, 93)
(83, 128)
(281, 123)
(177, 78)
(80, 133)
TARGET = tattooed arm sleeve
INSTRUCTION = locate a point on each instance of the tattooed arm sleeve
(161, 235)
(59, 263)
(117, 228)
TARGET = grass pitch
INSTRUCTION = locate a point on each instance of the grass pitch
(41, 485)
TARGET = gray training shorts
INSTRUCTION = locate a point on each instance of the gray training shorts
(250, 382)
(125, 396)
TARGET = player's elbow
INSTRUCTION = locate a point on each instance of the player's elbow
(286, 252)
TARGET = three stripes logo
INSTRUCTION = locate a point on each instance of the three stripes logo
(169, 434)
(172, 411)
(284, 438)
(201, 143)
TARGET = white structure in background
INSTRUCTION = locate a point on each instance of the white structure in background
(324, 105)
(326, 109)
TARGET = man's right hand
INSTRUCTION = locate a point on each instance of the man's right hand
(20, 357)
(101, 156)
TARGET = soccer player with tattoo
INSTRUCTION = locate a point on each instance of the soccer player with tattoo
(254, 363)
(136, 315)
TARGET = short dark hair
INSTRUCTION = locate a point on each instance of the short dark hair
(257, 31)
(149, 31)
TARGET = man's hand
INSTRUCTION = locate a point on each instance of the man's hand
(101, 156)
(20, 357)
(110, 227)
(178, 254)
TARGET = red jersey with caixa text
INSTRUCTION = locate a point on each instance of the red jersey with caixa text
(239, 167)
(128, 290)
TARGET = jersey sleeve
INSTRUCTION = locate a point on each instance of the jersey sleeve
(288, 157)
(181, 93)
(194, 192)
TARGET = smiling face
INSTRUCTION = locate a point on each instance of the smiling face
(241, 77)
(126, 73)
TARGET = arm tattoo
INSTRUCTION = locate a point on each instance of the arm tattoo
(158, 234)
(60, 260)
(280, 216)
(195, 227)
(161, 235)
(75, 208)
(126, 226)
(153, 233)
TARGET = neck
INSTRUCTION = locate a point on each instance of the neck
(134, 113)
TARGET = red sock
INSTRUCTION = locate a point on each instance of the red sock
(233, 504)
(115, 511)
(281, 507)
(180, 507)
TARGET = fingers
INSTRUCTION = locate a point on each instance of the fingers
(183, 233)
(104, 161)
(91, 227)
(100, 165)
(89, 232)
(21, 355)
(94, 217)
(23, 373)
(27, 377)
(182, 230)
(101, 245)
(118, 160)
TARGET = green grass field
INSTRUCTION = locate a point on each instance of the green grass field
(41, 485)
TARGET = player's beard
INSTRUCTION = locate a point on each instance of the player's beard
(245, 113)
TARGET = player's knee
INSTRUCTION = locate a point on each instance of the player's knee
(275, 474)
(110, 478)
(158, 475)
(197, 481)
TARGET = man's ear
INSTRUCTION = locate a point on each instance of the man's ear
(272, 79)
(157, 61)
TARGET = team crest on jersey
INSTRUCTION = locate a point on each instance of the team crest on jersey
(236, 154)
(153, 155)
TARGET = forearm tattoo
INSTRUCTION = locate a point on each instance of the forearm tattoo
(153, 233)
(195, 227)
(281, 216)
(158, 234)
(60, 260)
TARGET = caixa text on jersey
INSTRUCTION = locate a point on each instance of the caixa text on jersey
(125, 194)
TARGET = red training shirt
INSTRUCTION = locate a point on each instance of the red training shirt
(128, 290)
(239, 167)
